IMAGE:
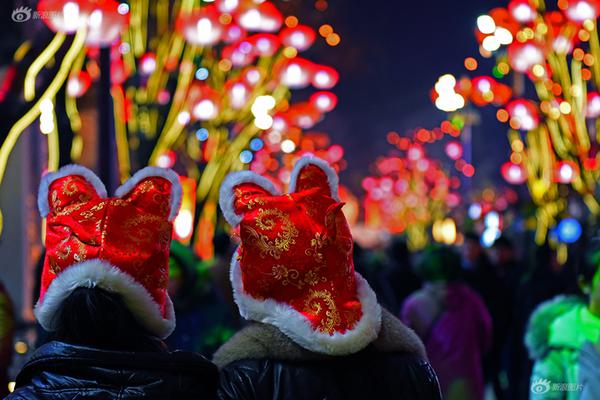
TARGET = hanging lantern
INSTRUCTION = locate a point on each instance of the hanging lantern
(240, 54)
(522, 11)
(300, 37)
(297, 73)
(264, 44)
(482, 92)
(233, 33)
(514, 173)
(202, 27)
(78, 84)
(105, 23)
(239, 93)
(204, 102)
(325, 77)
(227, 6)
(524, 113)
(566, 172)
(304, 115)
(581, 10)
(592, 109)
(324, 101)
(524, 56)
(63, 15)
(263, 17)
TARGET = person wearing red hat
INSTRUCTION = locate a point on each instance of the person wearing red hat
(104, 293)
(319, 331)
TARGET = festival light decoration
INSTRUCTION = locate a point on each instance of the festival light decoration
(553, 134)
(190, 87)
(411, 192)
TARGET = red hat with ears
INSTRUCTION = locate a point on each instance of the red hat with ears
(120, 244)
(294, 267)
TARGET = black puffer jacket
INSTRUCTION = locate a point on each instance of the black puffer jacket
(59, 371)
(260, 362)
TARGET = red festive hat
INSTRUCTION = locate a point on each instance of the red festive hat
(120, 244)
(294, 267)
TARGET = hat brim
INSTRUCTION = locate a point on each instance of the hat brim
(101, 274)
(298, 328)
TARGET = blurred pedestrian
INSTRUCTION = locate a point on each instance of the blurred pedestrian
(487, 280)
(104, 294)
(453, 322)
(319, 332)
(556, 335)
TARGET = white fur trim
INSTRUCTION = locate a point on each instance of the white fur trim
(227, 197)
(67, 170)
(332, 177)
(148, 172)
(99, 273)
(297, 327)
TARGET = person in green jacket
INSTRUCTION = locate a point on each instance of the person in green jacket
(558, 331)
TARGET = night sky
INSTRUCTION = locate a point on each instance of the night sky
(391, 54)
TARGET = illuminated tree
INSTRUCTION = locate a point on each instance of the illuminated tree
(184, 84)
(552, 55)
(409, 193)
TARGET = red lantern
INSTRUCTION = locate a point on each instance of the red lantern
(566, 171)
(233, 33)
(523, 56)
(593, 105)
(300, 37)
(522, 11)
(202, 27)
(238, 92)
(514, 173)
(304, 115)
(581, 10)
(265, 44)
(63, 15)
(324, 101)
(227, 6)
(106, 21)
(297, 73)
(482, 90)
(240, 54)
(525, 113)
(264, 17)
(325, 77)
(203, 102)
(78, 84)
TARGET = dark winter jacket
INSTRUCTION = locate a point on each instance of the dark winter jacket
(58, 371)
(260, 362)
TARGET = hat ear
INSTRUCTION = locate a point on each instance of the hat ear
(70, 185)
(311, 172)
(158, 188)
(239, 189)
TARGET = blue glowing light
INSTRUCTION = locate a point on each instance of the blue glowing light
(246, 156)
(569, 230)
(202, 134)
(201, 74)
(256, 144)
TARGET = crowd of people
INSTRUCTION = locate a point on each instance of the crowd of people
(291, 307)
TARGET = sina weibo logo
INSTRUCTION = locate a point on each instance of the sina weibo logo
(540, 386)
(21, 14)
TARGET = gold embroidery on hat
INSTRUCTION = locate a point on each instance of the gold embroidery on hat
(284, 239)
(313, 305)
